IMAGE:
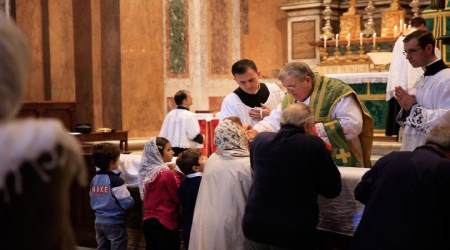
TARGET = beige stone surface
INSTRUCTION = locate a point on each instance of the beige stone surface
(96, 64)
(61, 50)
(142, 66)
(266, 41)
(29, 19)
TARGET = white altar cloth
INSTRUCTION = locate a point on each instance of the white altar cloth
(352, 78)
(340, 215)
(343, 213)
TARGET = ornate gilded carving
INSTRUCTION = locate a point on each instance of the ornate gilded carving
(350, 22)
(350, 25)
(369, 25)
(391, 19)
(351, 9)
(327, 29)
(415, 6)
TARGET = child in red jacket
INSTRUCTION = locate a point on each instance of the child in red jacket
(160, 184)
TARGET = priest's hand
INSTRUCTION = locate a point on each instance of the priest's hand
(265, 110)
(251, 134)
(259, 113)
(405, 100)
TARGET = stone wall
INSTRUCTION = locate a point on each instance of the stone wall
(107, 56)
(215, 35)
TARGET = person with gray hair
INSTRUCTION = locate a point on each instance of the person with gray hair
(406, 197)
(39, 160)
(291, 168)
(340, 118)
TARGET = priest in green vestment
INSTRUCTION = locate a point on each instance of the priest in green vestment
(340, 118)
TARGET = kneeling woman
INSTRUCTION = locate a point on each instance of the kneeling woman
(223, 192)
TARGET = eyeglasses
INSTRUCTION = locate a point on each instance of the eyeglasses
(411, 51)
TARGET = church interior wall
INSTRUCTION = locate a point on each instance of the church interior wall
(254, 29)
(61, 22)
(121, 60)
(142, 66)
(29, 16)
(265, 40)
(107, 56)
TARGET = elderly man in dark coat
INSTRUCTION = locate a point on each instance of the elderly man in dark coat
(407, 197)
(291, 168)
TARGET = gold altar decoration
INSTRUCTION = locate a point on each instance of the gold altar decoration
(369, 26)
(351, 8)
(391, 18)
(327, 29)
(415, 6)
(350, 55)
(350, 22)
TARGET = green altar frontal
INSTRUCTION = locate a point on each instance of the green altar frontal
(438, 21)
(371, 90)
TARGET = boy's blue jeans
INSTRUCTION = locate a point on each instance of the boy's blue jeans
(111, 236)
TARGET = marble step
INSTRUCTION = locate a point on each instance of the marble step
(385, 147)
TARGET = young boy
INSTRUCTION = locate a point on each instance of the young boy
(191, 163)
(110, 198)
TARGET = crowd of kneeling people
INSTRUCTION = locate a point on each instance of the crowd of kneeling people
(263, 195)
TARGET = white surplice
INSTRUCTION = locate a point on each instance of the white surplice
(221, 200)
(433, 100)
(346, 111)
(401, 72)
(233, 106)
(180, 126)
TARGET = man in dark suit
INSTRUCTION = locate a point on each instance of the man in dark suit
(407, 197)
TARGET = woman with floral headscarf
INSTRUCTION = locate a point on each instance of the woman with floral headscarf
(159, 185)
(223, 192)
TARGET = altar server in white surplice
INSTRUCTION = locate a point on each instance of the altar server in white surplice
(403, 74)
(252, 100)
(181, 126)
(422, 111)
(223, 193)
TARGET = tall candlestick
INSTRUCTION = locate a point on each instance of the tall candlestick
(361, 39)
(337, 40)
(348, 40)
(325, 41)
(374, 40)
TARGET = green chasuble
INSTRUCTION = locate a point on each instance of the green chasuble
(326, 93)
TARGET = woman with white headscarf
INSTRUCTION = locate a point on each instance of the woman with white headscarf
(223, 192)
(39, 160)
(159, 184)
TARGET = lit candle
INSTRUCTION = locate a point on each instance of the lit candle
(401, 25)
(374, 39)
(348, 40)
(361, 39)
(404, 27)
(395, 30)
(324, 41)
(337, 40)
